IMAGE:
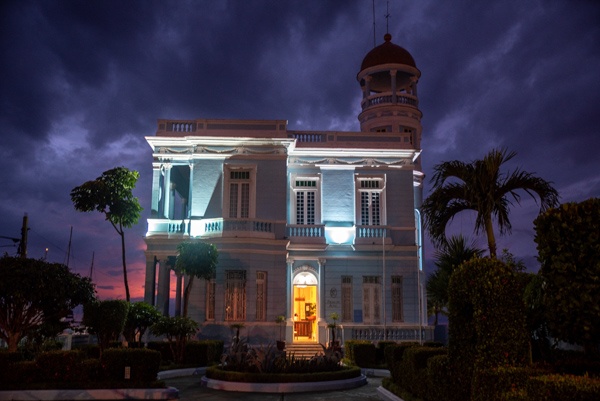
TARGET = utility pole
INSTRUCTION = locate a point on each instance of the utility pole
(23, 243)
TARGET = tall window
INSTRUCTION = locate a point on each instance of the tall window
(306, 200)
(347, 299)
(397, 299)
(210, 299)
(239, 191)
(371, 300)
(235, 295)
(370, 200)
(261, 296)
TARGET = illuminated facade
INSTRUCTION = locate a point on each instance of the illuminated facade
(307, 223)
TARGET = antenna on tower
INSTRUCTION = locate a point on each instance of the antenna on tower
(387, 18)
(374, 36)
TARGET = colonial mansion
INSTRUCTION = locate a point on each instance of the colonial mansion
(307, 223)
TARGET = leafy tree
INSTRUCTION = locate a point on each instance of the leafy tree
(36, 295)
(195, 259)
(139, 318)
(177, 329)
(568, 244)
(112, 195)
(106, 319)
(451, 255)
(481, 186)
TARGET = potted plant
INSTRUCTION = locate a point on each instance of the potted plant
(281, 321)
(333, 326)
(237, 327)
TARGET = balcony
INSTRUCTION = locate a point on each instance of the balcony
(306, 234)
(386, 98)
(207, 228)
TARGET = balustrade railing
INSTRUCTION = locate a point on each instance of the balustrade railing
(208, 227)
(379, 333)
(387, 98)
(308, 231)
(372, 232)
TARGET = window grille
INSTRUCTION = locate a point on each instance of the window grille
(261, 296)
(347, 307)
(397, 299)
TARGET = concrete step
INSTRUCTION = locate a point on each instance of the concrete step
(303, 350)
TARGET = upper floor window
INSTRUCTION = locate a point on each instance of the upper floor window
(306, 200)
(240, 191)
(370, 198)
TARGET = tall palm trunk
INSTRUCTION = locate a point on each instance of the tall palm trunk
(489, 230)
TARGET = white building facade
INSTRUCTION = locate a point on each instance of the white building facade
(307, 223)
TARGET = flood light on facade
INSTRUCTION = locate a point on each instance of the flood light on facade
(340, 235)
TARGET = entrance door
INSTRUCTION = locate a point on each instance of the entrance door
(305, 307)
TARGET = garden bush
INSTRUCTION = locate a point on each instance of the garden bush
(439, 379)
(203, 353)
(364, 355)
(380, 352)
(349, 348)
(143, 363)
(563, 387)
(414, 369)
(505, 382)
(393, 357)
(164, 348)
(487, 325)
(61, 366)
(217, 373)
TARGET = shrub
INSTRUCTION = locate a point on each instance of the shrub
(17, 374)
(105, 319)
(487, 325)
(439, 379)
(177, 329)
(143, 364)
(393, 358)
(563, 387)
(413, 368)
(218, 373)
(380, 351)
(364, 355)
(503, 382)
(349, 348)
(203, 353)
(60, 366)
(164, 348)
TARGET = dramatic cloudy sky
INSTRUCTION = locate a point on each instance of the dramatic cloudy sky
(83, 82)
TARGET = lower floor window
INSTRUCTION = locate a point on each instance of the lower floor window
(235, 295)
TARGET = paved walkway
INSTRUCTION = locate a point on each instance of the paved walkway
(190, 389)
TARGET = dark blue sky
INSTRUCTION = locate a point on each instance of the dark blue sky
(83, 82)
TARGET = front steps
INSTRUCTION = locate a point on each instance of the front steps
(303, 350)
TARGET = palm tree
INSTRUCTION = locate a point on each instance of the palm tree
(452, 254)
(481, 187)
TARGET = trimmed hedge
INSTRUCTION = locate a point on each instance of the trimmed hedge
(364, 355)
(502, 383)
(487, 325)
(203, 353)
(414, 369)
(143, 363)
(61, 366)
(216, 373)
(349, 348)
(563, 387)
(393, 357)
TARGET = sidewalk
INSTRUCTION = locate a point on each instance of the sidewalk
(190, 389)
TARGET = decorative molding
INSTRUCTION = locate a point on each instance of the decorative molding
(365, 162)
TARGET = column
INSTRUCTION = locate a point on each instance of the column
(289, 329)
(178, 301)
(164, 287)
(166, 191)
(394, 96)
(190, 192)
(322, 316)
(150, 282)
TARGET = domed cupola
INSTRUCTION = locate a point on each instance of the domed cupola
(388, 78)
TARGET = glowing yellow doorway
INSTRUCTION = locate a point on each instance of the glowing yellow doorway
(305, 307)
